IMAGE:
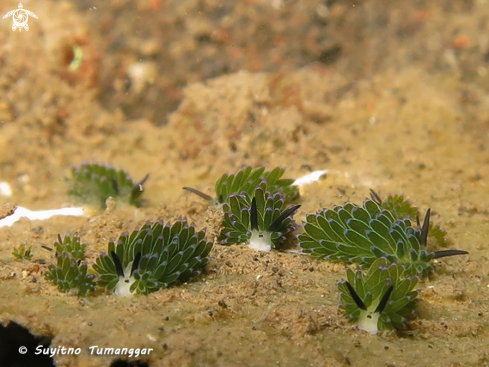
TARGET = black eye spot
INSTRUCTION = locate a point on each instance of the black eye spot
(260, 235)
(126, 280)
(369, 316)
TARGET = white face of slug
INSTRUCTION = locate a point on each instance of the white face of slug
(123, 286)
(217, 204)
(261, 241)
(368, 321)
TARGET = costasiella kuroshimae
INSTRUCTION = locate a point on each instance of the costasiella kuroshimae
(247, 180)
(70, 271)
(369, 319)
(126, 276)
(261, 240)
(96, 182)
(258, 220)
(362, 234)
(155, 256)
(380, 298)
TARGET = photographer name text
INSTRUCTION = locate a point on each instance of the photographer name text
(93, 350)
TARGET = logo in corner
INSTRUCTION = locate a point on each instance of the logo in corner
(20, 17)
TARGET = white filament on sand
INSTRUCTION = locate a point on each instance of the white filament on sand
(309, 178)
(21, 212)
(5, 189)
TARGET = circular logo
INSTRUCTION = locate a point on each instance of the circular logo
(20, 18)
(22, 350)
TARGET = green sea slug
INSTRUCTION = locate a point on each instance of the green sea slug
(362, 234)
(381, 298)
(260, 221)
(93, 181)
(70, 272)
(153, 257)
(247, 180)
